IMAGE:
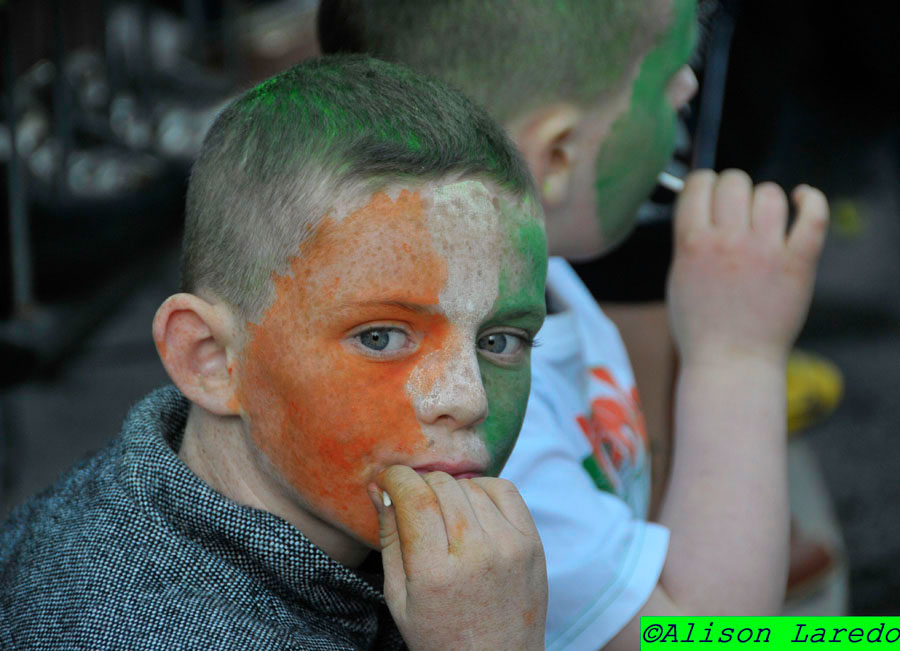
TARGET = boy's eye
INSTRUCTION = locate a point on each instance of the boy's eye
(501, 343)
(383, 339)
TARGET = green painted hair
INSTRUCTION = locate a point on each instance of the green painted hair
(278, 158)
(511, 56)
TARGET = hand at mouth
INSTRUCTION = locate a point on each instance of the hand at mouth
(468, 550)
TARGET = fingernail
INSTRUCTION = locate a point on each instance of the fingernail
(386, 498)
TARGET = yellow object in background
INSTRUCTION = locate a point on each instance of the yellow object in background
(815, 387)
(847, 220)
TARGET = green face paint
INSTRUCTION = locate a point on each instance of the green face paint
(520, 304)
(368, 352)
(642, 140)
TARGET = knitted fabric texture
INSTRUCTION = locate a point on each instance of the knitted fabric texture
(131, 550)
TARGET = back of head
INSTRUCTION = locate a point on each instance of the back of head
(511, 56)
(280, 156)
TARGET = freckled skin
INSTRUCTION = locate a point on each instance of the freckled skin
(459, 529)
(328, 418)
(314, 409)
(508, 388)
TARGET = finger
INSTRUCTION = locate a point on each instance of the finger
(770, 211)
(391, 554)
(460, 521)
(508, 501)
(807, 236)
(420, 525)
(492, 521)
(731, 201)
(693, 209)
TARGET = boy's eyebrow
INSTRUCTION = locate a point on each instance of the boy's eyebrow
(536, 311)
(416, 308)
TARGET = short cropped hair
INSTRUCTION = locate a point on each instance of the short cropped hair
(278, 157)
(511, 56)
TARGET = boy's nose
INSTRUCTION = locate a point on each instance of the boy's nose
(456, 398)
(682, 87)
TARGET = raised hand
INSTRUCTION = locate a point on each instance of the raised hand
(740, 283)
(464, 566)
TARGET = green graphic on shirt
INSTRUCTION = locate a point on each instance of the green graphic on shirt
(600, 479)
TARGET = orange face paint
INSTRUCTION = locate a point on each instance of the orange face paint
(448, 267)
(326, 417)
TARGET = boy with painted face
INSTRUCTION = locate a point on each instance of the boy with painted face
(364, 270)
(589, 89)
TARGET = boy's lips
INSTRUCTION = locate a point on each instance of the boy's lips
(455, 470)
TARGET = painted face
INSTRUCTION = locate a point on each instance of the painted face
(642, 140)
(627, 140)
(399, 336)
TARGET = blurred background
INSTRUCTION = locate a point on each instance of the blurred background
(104, 104)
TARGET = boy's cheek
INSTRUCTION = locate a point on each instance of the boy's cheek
(507, 391)
(328, 424)
(639, 146)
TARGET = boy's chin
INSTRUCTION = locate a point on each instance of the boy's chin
(586, 252)
(611, 243)
(578, 246)
(328, 527)
(370, 540)
(364, 533)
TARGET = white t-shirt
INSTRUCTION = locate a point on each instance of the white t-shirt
(582, 465)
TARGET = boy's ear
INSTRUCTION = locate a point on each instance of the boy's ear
(196, 340)
(545, 140)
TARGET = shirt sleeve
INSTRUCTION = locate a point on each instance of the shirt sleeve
(602, 562)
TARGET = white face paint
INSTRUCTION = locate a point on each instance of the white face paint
(374, 354)
(464, 223)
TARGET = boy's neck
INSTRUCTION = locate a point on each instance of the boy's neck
(219, 453)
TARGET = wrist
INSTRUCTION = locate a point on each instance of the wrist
(711, 354)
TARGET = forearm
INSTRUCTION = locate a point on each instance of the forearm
(739, 289)
(727, 503)
(644, 328)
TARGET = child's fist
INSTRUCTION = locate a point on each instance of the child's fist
(740, 284)
(463, 562)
